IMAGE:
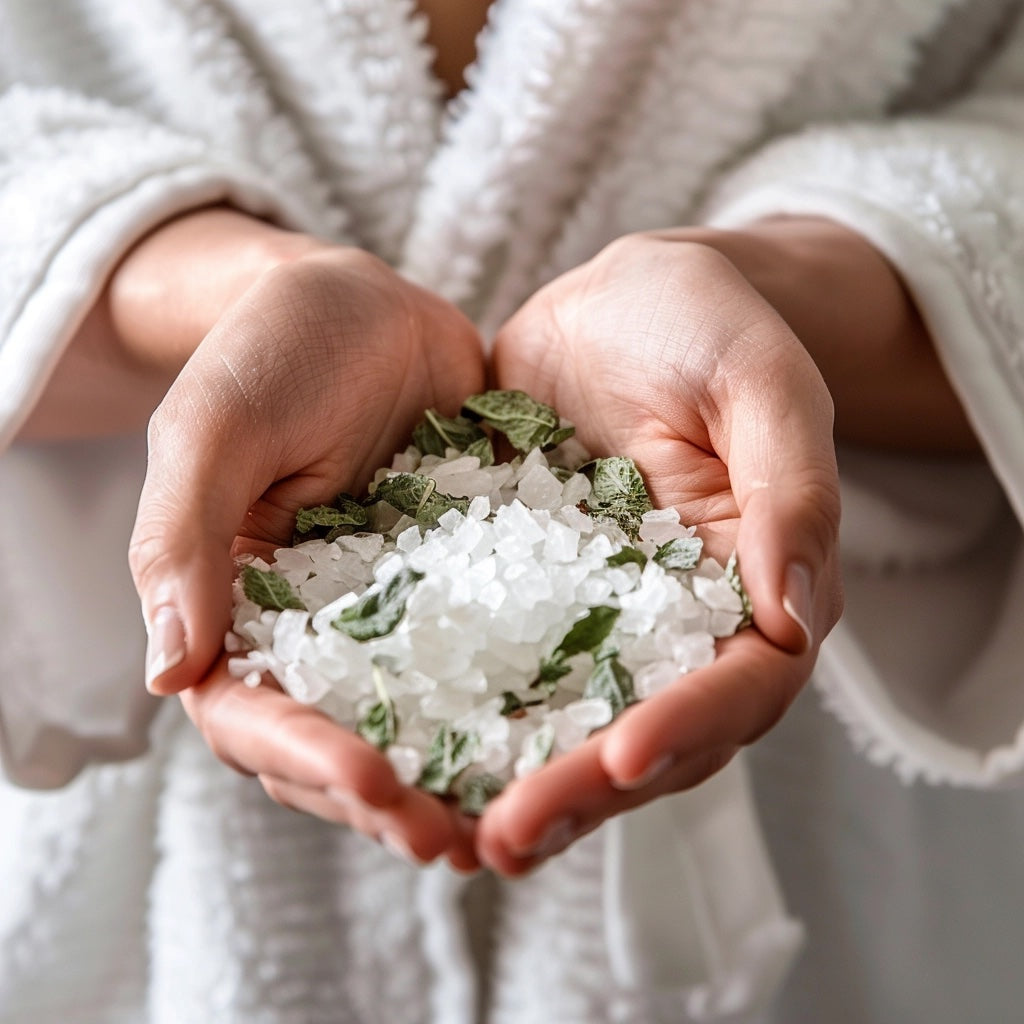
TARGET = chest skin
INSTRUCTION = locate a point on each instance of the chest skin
(453, 26)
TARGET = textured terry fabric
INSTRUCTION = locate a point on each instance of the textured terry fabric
(161, 888)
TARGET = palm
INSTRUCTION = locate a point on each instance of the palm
(664, 353)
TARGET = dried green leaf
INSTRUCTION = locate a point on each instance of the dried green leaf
(560, 435)
(512, 703)
(732, 574)
(437, 433)
(417, 496)
(483, 450)
(478, 792)
(618, 492)
(680, 553)
(627, 556)
(380, 609)
(449, 755)
(525, 422)
(588, 633)
(327, 519)
(612, 681)
(269, 589)
(538, 746)
(379, 725)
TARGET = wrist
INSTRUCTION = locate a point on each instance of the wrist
(851, 310)
(171, 289)
(160, 302)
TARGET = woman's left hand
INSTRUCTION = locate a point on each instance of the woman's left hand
(660, 348)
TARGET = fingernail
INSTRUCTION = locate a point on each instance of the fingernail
(555, 839)
(400, 848)
(797, 597)
(657, 767)
(166, 646)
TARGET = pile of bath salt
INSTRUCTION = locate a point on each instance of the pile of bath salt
(474, 618)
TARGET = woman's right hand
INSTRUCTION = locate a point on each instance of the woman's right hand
(307, 383)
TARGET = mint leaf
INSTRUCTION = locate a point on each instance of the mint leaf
(612, 681)
(588, 633)
(626, 556)
(450, 753)
(732, 574)
(380, 609)
(268, 589)
(417, 496)
(379, 725)
(537, 748)
(680, 553)
(478, 792)
(512, 704)
(618, 492)
(437, 433)
(525, 422)
(327, 519)
(483, 450)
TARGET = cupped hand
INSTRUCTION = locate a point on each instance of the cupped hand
(661, 349)
(307, 384)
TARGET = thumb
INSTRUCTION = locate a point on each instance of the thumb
(782, 469)
(193, 501)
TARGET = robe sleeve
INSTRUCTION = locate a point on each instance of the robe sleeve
(82, 179)
(927, 665)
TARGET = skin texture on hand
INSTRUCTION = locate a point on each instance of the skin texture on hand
(662, 350)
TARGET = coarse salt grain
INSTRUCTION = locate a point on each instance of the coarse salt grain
(502, 585)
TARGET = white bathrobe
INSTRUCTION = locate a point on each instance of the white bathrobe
(154, 886)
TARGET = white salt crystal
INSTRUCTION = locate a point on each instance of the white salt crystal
(561, 543)
(304, 683)
(450, 520)
(598, 548)
(594, 590)
(409, 540)
(531, 460)
(480, 507)
(366, 545)
(406, 462)
(591, 713)
(717, 594)
(445, 704)
(540, 488)
(516, 520)
(233, 643)
(572, 517)
(239, 667)
(492, 595)
(661, 525)
(575, 490)
(289, 633)
(407, 762)
(293, 560)
(653, 678)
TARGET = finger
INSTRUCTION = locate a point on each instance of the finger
(542, 814)
(262, 731)
(199, 485)
(417, 828)
(782, 470)
(725, 705)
